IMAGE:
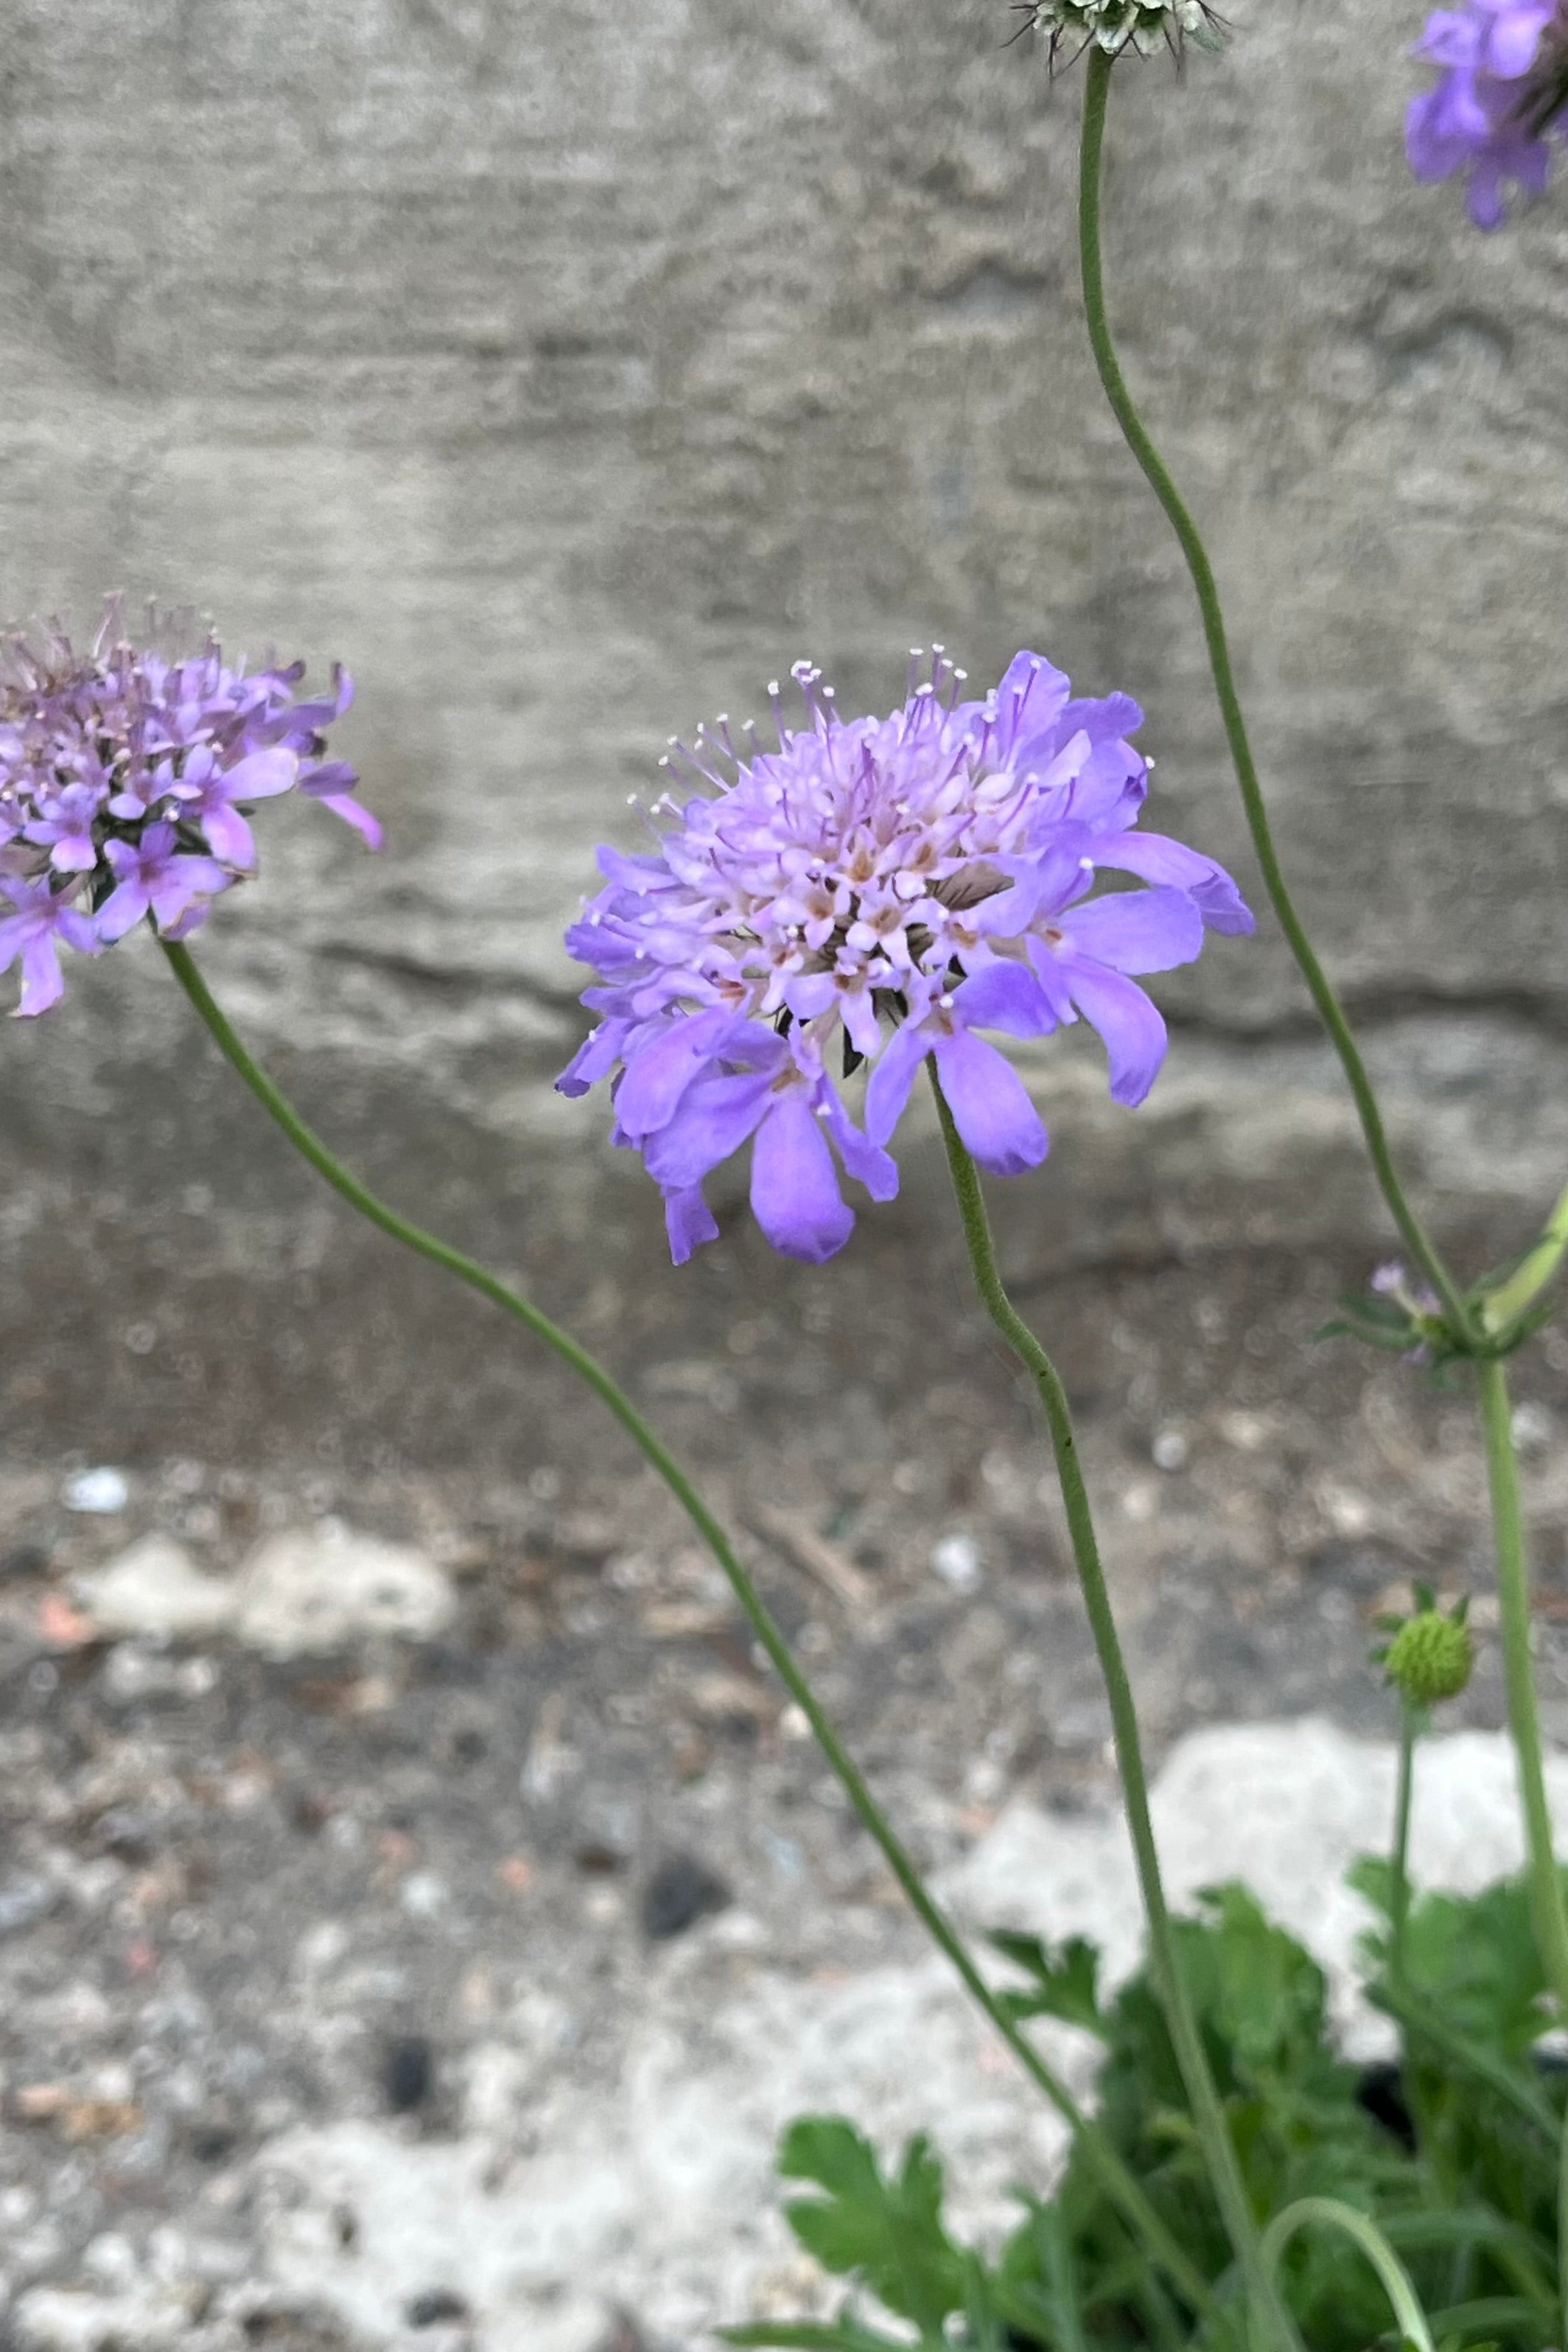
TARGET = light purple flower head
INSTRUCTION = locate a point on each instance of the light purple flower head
(1499, 98)
(873, 891)
(124, 776)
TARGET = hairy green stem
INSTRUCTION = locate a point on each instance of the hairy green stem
(1546, 1905)
(1208, 2114)
(1397, 2281)
(1118, 2183)
(1330, 1012)
(1399, 1874)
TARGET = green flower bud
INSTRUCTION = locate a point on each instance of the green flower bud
(1430, 1658)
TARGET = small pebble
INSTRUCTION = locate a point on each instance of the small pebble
(680, 1892)
(433, 2308)
(956, 1559)
(23, 1900)
(1170, 1450)
(96, 1490)
(407, 2072)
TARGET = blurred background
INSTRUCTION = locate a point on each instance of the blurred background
(568, 371)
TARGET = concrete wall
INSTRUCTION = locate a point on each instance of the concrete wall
(569, 370)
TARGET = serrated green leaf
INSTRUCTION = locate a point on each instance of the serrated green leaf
(1066, 1979)
(888, 2233)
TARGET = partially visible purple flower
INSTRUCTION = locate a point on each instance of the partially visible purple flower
(43, 917)
(125, 777)
(1499, 98)
(886, 888)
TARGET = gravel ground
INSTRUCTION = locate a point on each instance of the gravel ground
(293, 1874)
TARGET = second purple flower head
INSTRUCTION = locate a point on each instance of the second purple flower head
(873, 891)
(1499, 100)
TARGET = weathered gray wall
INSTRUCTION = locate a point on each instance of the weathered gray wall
(568, 369)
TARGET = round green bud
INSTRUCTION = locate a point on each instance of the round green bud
(1430, 1658)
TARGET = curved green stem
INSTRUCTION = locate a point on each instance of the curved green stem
(1547, 1911)
(1329, 1010)
(1396, 2278)
(1118, 2181)
(1538, 1266)
(1208, 2116)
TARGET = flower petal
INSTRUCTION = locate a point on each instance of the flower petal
(990, 1106)
(1137, 930)
(795, 1188)
(121, 909)
(713, 1119)
(260, 775)
(650, 1091)
(229, 836)
(888, 1087)
(42, 982)
(864, 1160)
(688, 1222)
(1156, 858)
(1004, 996)
(1129, 1022)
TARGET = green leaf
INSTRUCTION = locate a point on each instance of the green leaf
(888, 2233)
(1066, 1979)
(1253, 1983)
(1372, 1875)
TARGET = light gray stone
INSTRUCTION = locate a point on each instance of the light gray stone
(317, 1587)
(155, 1591)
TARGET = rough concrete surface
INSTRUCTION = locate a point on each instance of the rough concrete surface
(568, 370)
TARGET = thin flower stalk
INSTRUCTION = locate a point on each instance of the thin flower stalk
(1332, 2212)
(1547, 1910)
(1410, 1722)
(1120, 2185)
(1208, 2114)
(1097, 92)
(1551, 1927)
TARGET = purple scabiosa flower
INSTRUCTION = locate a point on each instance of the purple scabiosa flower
(872, 892)
(1499, 100)
(125, 774)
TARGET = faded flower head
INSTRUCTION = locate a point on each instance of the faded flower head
(1117, 25)
(872, 892)
(1499, 100)
(125, 779)
(1432, 1653)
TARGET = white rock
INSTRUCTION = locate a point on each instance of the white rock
(956, 1559)
(317, 1587)
(155, 1591)
(64, 2320)
(96, 1490)
(661, 2188)
(655, 2178)
(1285, 1807)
